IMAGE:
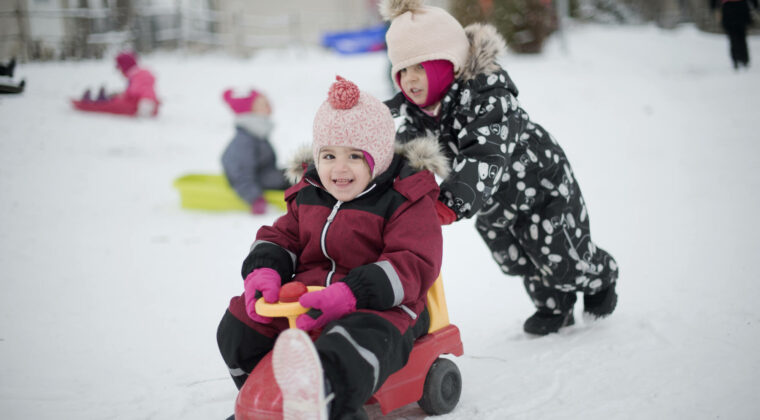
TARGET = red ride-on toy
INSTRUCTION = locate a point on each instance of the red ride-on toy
(434, 382)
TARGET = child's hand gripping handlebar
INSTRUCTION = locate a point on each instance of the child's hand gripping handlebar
(288, 305)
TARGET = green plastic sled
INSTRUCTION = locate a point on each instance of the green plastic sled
(213, 192)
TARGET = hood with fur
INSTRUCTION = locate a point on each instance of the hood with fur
(486, 45)
(422, 153)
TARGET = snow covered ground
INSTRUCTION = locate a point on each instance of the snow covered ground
(110, 293)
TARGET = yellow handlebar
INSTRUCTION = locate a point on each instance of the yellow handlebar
(289, 310)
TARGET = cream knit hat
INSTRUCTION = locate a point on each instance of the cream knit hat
(421, 33)
(350, 117)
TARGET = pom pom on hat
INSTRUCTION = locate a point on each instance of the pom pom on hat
(240, 104)
(343, 94)
(352, 118)
(420, 33)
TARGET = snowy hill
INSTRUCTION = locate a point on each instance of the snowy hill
(110, 293)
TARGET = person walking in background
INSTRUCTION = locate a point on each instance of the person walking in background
(507, 171)
(249, 160)
(735, 17)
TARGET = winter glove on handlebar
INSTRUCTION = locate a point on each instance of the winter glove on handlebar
(445, 215)
(328, 304)
(261, 282)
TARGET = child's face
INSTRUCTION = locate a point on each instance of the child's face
(414, 83)
(343, 171)
(261, 106)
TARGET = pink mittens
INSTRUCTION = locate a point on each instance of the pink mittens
(259, 206)
(331, 303)
(261, 282)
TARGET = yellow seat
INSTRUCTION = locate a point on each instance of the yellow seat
(436, 302)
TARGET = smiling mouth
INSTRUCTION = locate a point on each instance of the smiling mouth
(341, 182)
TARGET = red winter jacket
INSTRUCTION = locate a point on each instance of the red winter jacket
(385, 244)
(141, 84)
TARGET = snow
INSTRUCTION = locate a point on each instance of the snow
(110, 293)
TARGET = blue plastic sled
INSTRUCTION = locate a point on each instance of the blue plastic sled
(355, 42)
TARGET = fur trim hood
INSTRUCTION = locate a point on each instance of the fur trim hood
(486, 45)
(422, 153)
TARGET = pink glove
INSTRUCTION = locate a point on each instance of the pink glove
(328, 304)
(259, 206)
(261, 282)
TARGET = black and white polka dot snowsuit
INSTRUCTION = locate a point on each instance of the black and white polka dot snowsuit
(513, 176)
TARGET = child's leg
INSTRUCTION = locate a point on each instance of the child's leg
(241, 346)
(566, 257)
(550, 247)
(496, 231)
(358, 353)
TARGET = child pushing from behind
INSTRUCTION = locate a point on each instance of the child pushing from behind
(361, 221)
(507, 171)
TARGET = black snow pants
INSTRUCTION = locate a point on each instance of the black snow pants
(358, 353)
(538, 228)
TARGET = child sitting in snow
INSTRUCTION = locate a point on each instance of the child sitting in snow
(362, 222)
(508, 171)
(139, 98)
(249, 161)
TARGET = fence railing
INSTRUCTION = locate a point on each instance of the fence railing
(89, 32)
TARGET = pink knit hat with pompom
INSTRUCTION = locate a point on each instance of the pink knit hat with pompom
(240, 104)
(352, 118)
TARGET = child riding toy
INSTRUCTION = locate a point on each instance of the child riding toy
(432, 381)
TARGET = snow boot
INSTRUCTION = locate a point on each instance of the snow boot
(542, 323)
(550, 320)
(601, 303)
(102, 97)
(298, 372)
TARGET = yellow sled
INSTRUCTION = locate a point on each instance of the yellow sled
(213, 192)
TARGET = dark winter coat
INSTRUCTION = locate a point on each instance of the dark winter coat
(386, 244)
(249, 161)
(510, 172)
(489, 138)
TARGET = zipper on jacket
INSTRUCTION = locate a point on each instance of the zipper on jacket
(324, 244)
